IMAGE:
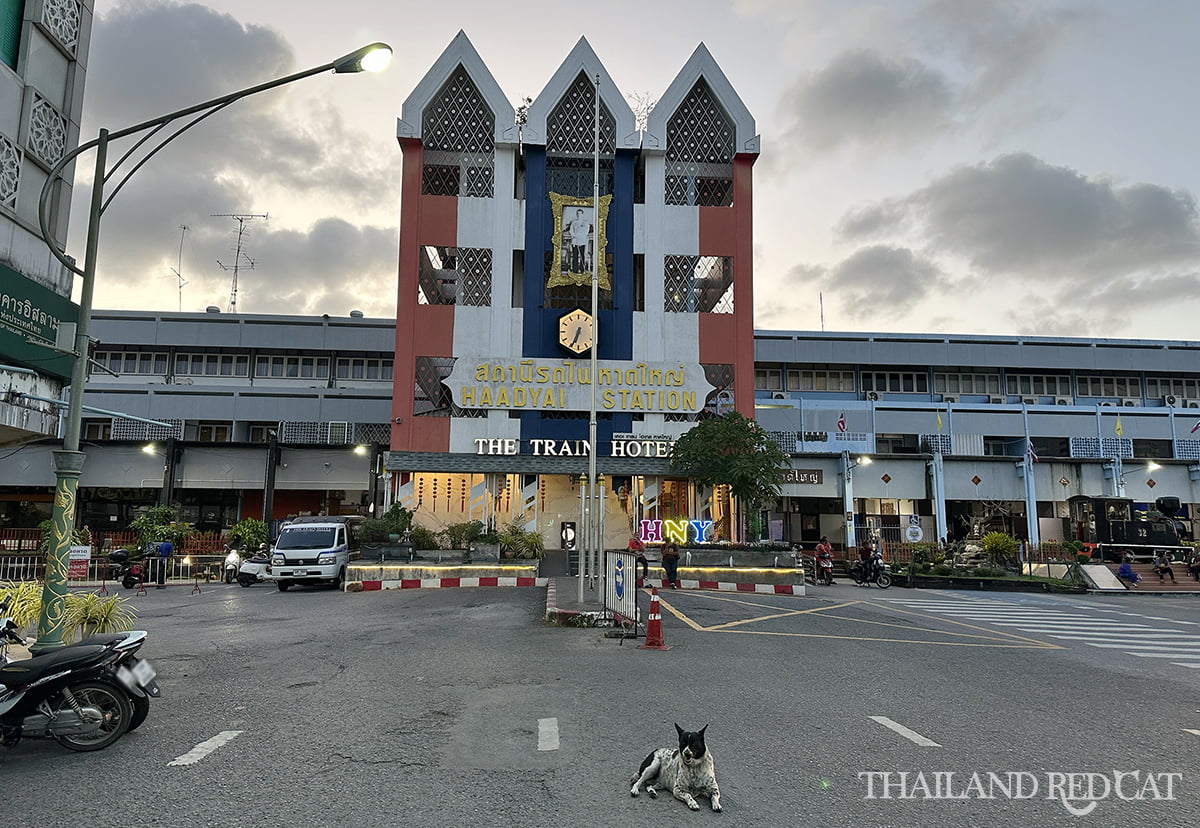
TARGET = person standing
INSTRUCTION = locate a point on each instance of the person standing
(670, 562)
(165, 548)
(577, 233)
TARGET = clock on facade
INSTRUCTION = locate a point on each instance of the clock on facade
(576, 331)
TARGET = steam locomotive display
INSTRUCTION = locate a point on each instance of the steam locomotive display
(1111, 529)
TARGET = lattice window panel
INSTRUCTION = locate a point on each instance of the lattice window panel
(123, 429)
(430, 397)
(365, 433)
(295, 431)
(786, 440)
(671, 417)
(571, 127)
(47, 131)
(455, 275)
(573, 176)
(10, 172)
(1187, 449)
(457, 130)
(698, 284)
(937, 443)
(61, 18)
(1101, 447)
(700, 150)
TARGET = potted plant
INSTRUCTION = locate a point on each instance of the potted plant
(87, 613)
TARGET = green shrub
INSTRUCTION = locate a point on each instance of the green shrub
(160, 523)
(1083, 559)
(988, 572)
(26, 604)
(395, 521)
(462, 535)
(517, 543)
(86, 613)
(79, 537)
(998, 547)
(942, 569)
(248, 534)
(423, 538)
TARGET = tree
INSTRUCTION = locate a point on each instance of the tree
(737, 452)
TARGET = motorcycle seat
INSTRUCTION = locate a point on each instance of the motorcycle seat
(17, 673)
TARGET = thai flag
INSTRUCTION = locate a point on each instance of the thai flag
(1033, 458)
(842, 422)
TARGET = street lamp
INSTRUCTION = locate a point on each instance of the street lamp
(68, 462)
(848, 467)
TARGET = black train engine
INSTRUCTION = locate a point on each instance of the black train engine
(1112, 529)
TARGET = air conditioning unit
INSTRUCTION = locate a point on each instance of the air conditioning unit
(873, 396)
(1131, 403)
(996, 400)
(1029, 400)
(949, 398)
(1171, 400)
(339, 434)
(183, 380)
(1063, 401)
(778, 395)
(1107, 404)
(1191, 403)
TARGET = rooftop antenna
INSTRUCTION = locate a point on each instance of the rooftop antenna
(239, 255)
(821, 297)
(178, 271)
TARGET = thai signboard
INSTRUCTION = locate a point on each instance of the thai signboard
(29, 311)
(566, 385)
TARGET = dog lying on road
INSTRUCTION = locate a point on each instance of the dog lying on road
(685, 771)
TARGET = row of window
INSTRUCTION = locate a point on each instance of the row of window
(1023, 384)
(238, 365)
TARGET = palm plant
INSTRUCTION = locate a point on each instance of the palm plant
(89, 613)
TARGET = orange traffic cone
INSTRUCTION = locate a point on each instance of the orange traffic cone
(654, 633)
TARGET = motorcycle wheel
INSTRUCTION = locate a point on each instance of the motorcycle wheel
(885, 580)
(114, 708)
(245, 580)
(141, 709)
(129, 582)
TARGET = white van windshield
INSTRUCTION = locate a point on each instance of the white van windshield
(305, 537)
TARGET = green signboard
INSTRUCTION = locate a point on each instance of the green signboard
(29, 311)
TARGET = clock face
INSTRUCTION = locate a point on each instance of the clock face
(576, 331)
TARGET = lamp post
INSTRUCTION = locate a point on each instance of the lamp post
(848, 467)
(68, 462)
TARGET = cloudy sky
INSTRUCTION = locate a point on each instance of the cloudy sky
(971, 166)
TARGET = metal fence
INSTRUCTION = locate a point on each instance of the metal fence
(180, 568)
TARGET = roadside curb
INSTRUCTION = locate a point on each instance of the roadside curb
(443, 583)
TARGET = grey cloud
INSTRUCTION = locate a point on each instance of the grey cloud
(280, 153)
(863, 97)
(881, 278)
(1022, 217)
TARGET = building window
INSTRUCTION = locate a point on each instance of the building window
(1111, 386)
(208, 432)
(1030, 385)
(820, 380)
(212, 365)
(261, 432)
(12, 14)
(97, 430)
(292, 367)
(964, 383)
(1172, 386)
(133, 362)
(698, 284)
(896, 382)
(768, 379)
(364, 369)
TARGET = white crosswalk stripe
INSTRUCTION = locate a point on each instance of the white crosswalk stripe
(1132, 637)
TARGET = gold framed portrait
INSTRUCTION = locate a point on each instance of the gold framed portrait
(579, 237)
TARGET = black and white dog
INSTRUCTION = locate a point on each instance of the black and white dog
(685, 771)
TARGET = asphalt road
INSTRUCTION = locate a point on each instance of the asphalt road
(457, 706)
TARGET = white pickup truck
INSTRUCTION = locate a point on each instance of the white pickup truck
(314, 550)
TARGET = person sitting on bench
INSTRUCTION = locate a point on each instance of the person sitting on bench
(1162, 565)
(1125, 573)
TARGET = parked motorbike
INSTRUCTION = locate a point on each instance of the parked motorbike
(136, 675)
(256, 569)
(878, 572)
(824, 569)
(129, 570)
(232, 565)
(68, 695)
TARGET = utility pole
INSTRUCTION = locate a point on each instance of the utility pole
(239, 255)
